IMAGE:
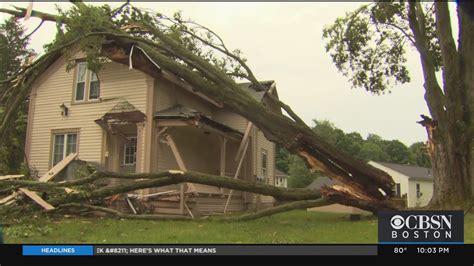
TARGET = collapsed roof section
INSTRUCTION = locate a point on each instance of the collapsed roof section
(138, 57)
(193, 117)
(254, 91)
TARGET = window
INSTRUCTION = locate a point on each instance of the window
(80, 82)
(418, 190)
(63, 145)
(94, 88)
(398, 192)
(264, 164)
(87, 84)
(130, 152)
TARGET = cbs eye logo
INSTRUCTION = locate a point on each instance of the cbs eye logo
(397, 222)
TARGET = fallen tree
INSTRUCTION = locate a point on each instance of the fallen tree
(157, 43)
(80, 193)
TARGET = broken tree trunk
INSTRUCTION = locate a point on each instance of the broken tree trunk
(304, 204)
(124, 215)
(364, 185)
(144, 180)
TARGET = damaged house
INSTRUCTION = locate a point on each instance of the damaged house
(129, 121)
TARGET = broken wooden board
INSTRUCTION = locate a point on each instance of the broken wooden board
(69, 190)
(7, 198)
(10, 202)
(5, 177)
(244, 141)
(192, 187)
(36, 198)
(58, 168)
(241, 160)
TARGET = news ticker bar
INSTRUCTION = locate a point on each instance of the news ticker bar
(194, 250)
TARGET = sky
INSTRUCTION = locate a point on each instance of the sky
(283, 42)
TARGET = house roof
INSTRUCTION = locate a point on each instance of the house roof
(177, 111)
(413, 172)
(186, 113)
(123, 112)
(122, 106)
(321, 181)
(254, 91)
(280, 173)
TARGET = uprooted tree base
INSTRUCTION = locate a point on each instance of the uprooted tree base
(199, 57)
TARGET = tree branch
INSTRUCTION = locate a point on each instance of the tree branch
(303, 204)
(451, 72)
(21, 12)
(119, 9)
(122, 215)
(434, 96)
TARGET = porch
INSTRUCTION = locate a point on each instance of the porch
(181, 139)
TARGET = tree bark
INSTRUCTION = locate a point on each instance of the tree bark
(122, 215)
(449, 134)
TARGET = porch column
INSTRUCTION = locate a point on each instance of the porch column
(112, 154)
(141, 136)
(222, 158)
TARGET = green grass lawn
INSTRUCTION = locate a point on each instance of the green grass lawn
(290, 227)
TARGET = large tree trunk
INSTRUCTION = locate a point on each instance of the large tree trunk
(466, 61)
(451, 130)
(450, 163)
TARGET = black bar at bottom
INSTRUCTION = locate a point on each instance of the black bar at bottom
(229, 250)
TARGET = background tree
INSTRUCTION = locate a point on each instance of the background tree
(13, 52)
(419, 155)
(368, 46)
(397, 152)
(300, 175)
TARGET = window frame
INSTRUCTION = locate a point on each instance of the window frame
(87, 85)
(124, 162)
(76, 81)
(418, 190)
(65, 145)
(91, 73)
(398, 189)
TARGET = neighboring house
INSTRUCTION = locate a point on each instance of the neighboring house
(127, 121)
(322, 181)
(281, 178)
(413, 183)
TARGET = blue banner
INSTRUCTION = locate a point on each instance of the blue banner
(56, 250)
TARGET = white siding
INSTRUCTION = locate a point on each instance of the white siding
(231, 119)
(56, 87)
(408, 186)
(426, 189)
(263, 143)
(168, 94)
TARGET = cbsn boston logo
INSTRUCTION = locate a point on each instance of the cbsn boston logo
(421, 227)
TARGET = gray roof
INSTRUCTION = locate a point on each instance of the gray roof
(254, 92)
(122, 106)
(413, 172)
(184, 113)
(177, 111)
(122, 112)
(321, 181)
